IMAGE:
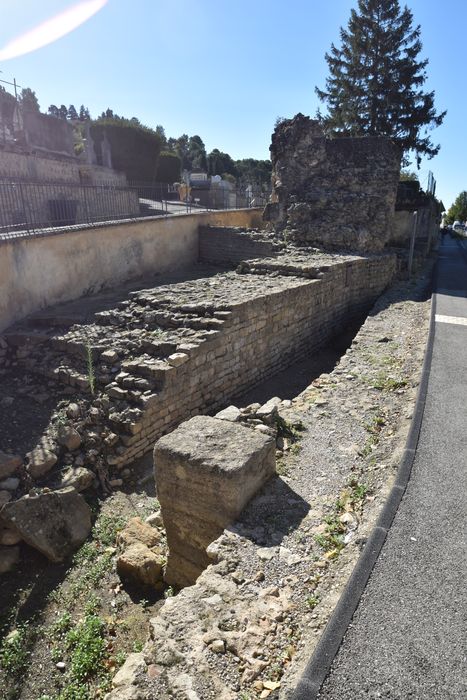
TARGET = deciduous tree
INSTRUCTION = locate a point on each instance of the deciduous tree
(458, 210)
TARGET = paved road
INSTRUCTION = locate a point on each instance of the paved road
(408, 637)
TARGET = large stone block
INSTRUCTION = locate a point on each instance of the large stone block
(206, 472)
(54, 522)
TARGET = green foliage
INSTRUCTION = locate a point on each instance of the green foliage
(375, 79)
(458, 210)
(28, 100)
(87, 646)
(14, 651)
(168, 168)
(312, 601)
(408, 176)
(254, 172)
(135, 148)
(220, 163)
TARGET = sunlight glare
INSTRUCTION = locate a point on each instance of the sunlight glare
(52, 29)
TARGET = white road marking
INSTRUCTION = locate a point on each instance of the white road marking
(456, 320)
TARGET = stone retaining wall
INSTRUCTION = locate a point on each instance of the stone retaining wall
(44, 270)
(256, 339)
(223, 245)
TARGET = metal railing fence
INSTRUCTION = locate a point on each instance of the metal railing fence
(30, 207)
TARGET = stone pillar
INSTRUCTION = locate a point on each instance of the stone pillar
(206, 472)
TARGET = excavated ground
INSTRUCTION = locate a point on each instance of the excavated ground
(355, 417)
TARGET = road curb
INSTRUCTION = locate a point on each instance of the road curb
(320, 662)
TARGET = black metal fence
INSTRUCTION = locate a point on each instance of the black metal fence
(29, 208)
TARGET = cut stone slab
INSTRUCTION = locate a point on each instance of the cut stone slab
(142, 565)
(177, 359)
(206, 471)
(55, 522)
(9, 464)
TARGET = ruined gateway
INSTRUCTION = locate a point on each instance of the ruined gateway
(132, 371)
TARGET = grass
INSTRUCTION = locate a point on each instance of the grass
(14, 651)
(350, 500)
(374, 428)
(386, 382)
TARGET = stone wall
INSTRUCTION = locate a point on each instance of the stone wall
(223, 245)
(257, 337)
(44, 270)
(170, 351)
(338, 193)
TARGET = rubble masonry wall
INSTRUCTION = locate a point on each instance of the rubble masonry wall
(257, 338)
(44, 270)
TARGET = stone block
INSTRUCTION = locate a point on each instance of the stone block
(206, 471)
(142, 565)
(55, 522)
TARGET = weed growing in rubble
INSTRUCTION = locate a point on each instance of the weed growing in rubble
(312, 601)
(90, 368)
(350, 501)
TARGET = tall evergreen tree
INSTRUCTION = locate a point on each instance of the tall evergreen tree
(28, 100)
(375, 80)
(72, 113)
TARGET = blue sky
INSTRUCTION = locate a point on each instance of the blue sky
(226, 70)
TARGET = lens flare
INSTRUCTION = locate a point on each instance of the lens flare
(52, 29)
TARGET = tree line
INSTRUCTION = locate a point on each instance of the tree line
(144, 153)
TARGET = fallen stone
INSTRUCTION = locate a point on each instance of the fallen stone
(231, 413)
(217, 646)
(214, 467)
(135, 531)
(265, 553)
(126, 675)
(269, 411)
(69, 437)
(177, 359)
(155, 519)
(9, 464)
(55, 522)
(79, 478)
(142, 565)
(289, 557)
(41, 461)
(73, 411)
(9, 558)
(109, 356)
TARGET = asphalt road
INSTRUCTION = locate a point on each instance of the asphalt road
(408, 636)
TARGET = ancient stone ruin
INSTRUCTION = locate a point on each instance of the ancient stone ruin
(339, 193)
(206, 472)
(122, 369)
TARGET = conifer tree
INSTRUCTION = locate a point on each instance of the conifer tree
(375, 80)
